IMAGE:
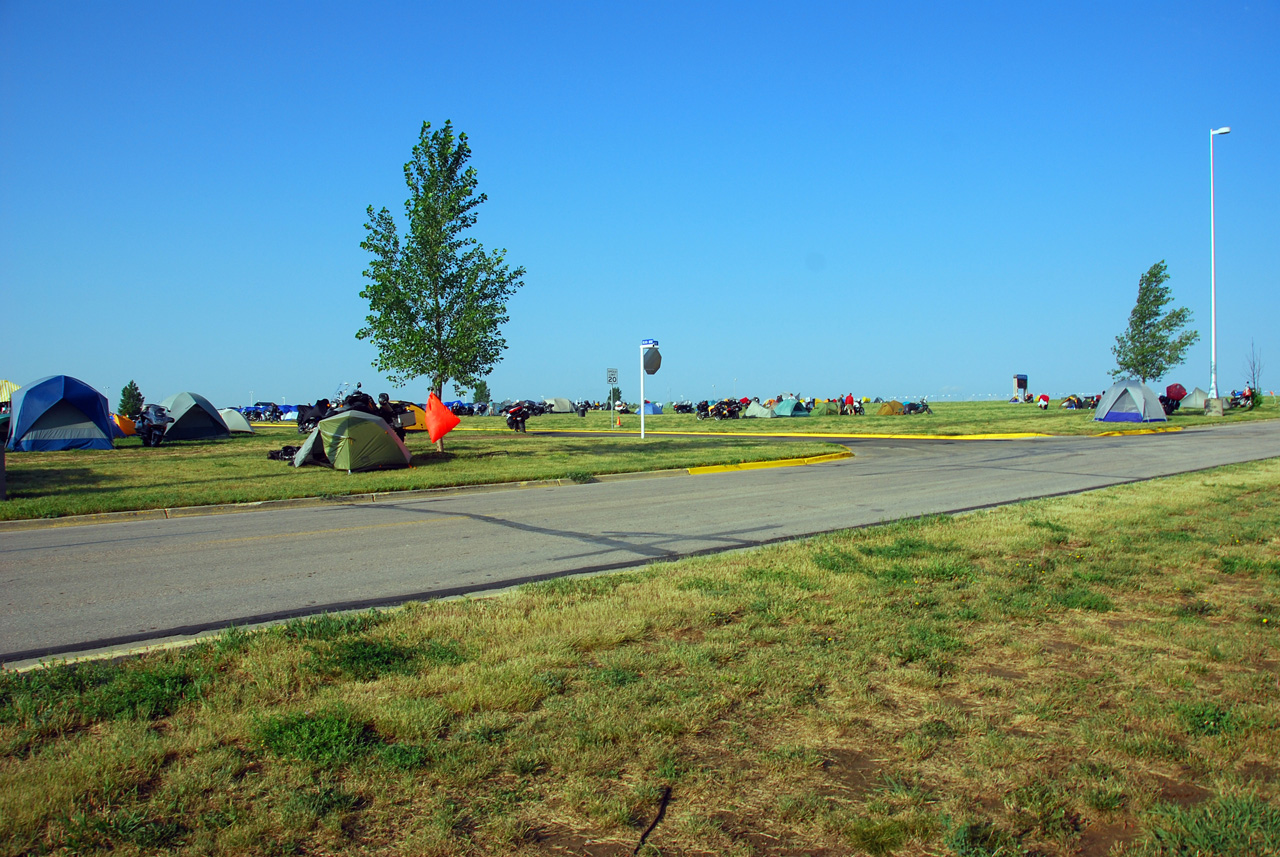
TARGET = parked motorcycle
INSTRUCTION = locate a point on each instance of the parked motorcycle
(517, 414)
(151, 424)
(920, 407)
(683, 408)
(726, 409)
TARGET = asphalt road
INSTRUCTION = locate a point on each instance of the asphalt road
(70, 590)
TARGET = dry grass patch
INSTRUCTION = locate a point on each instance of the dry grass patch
(1092, 674)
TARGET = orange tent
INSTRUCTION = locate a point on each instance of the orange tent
(125, 425)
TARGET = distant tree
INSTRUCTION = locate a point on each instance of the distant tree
(130, 401)
(480, 391)
(615, 395)
(1153, 343)
(1253, 367)
(437, 299)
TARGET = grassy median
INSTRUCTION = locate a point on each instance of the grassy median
(1095, 674)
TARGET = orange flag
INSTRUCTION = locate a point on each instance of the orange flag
(440, 420)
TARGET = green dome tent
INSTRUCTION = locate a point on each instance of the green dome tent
(194, 418)
(353, 441)
(825, 409)
(755, 410)
(790, 408)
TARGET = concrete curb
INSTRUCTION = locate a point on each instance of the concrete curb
(386, 497)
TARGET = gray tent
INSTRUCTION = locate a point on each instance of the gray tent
(236, 422)
(755, 409)
(194, 418)
(1195, 400)
(559, 406)
(1129, 402)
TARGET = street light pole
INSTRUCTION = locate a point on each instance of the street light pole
(1213, 276)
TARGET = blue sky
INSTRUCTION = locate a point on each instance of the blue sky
(887, 199)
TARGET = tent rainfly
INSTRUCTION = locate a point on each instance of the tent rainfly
(353, 441)
(194, 418)
(891, 408)
(757, 411)
(1195, 400)
(825, 409)
(125, 425)
(1129, 402)
(60, 413)
(236, 423)
(790, 408)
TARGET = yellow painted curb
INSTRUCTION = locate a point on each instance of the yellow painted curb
(1139, 431)
(761, 465)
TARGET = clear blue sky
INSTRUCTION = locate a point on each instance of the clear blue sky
(890, 199)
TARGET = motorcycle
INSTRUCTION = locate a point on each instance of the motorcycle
(151, 424)
(920, 407)
(727, 409)
(683, 408)
(517, 414)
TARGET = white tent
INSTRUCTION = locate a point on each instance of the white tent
(1129, 402)
(1195, 400)
(235, 421)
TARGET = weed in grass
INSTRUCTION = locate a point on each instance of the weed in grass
(404, 757)
(330, 738)
(440, 654)
(906, 547)
(1248, 565)
(313, 804)
(1080, 598)
(616, 676)
(1207, 718)
(135, 827)
(877, 836)
(364, 660)
(1228, 826)
(333, 626)
(982, 839)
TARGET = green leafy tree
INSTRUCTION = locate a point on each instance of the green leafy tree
(615, 395)
(130, 401)
(480, 392)
(1154, 342)
(437, 298)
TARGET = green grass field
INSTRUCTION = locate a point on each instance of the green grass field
(1094, 674)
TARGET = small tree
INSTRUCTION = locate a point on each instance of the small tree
(480, 392)
(130, 401)
(1153, 343)
(437, 299)
(615, 395)
(1253, 367)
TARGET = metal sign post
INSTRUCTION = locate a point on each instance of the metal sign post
(650, 360)
(611, 378)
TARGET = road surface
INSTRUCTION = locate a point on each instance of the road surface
(71, 590)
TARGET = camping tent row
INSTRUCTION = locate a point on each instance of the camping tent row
(60, 412)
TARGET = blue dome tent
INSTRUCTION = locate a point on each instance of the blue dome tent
(59, 413)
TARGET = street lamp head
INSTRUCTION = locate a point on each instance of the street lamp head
(1224, 130)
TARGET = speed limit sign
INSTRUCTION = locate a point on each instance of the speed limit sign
(611, 376)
